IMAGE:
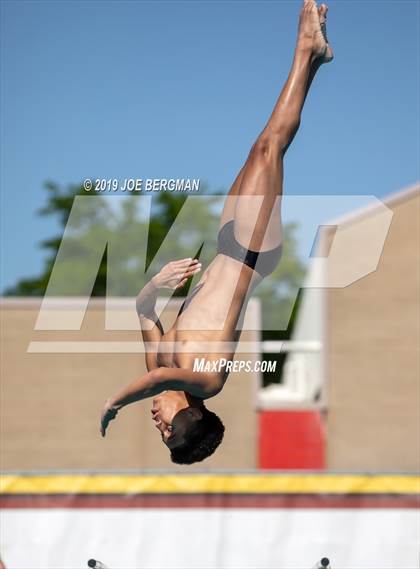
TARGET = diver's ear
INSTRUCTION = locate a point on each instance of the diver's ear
(195, 412)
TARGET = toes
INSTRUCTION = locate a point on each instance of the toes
(323, 9)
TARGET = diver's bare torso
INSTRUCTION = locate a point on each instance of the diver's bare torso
(208, 325)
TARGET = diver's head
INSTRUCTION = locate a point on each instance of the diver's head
(187, 427)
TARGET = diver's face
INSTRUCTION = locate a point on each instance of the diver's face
(172, 419)
(163, 411)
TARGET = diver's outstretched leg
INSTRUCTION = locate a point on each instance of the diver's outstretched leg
(258, 187)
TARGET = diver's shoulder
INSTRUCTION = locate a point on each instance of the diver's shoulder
(213, 385)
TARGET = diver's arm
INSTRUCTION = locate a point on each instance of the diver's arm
(199, 384)
(146, 299)
(148, 385)
(174, 275)
(151, 327)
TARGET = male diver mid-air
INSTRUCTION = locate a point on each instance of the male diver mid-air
(249, 249)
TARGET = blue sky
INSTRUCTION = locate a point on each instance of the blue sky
(180, 90)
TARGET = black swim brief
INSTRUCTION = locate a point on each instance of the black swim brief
(263, 262)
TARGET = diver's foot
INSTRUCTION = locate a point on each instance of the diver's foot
(310, 34)
(322, 12)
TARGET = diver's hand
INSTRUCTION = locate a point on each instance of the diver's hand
(109, 413)
(175, 274)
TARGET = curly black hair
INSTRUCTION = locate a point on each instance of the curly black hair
(202, 439)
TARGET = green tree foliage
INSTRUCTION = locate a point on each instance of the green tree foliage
(59, 204)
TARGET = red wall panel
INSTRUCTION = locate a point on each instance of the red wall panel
(291, 440)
